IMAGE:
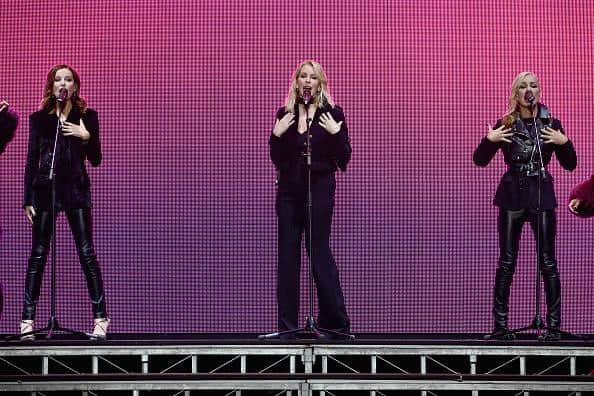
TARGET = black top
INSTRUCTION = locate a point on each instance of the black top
(518, 187)
(72, 180)
(8, 124)
(329, 152)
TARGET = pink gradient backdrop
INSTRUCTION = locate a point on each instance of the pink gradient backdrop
(186, 93)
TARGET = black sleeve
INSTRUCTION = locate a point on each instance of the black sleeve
(275, 142)
(93, 145)
(9, 121)
(32, 163)
(566, 152)
(486, 150)
(342, 143)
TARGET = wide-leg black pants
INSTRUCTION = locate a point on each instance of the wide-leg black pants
(291, 209)
(80, 221)
(510, 225)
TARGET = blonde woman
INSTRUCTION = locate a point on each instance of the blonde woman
(526, 194)
(330, 150)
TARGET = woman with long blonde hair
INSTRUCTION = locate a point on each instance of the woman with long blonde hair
(526, 134)
(309, 109)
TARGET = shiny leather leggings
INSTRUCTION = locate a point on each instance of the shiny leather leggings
(510, 225)
(81, 226)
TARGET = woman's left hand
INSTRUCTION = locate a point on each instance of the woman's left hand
(79, 131)
(554, 136)
(329, 124)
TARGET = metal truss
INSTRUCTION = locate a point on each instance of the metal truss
(297, 369)
(511, 368)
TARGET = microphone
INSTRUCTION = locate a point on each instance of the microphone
(306, 96)
(529, 97)
(62, 95)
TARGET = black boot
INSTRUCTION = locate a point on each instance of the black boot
(551, 334)
(552, 287)
(33, 286)
(502, 333)
(553, 297)
(501, 303)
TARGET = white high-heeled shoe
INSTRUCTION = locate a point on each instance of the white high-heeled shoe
(27, 327)
(100, 329)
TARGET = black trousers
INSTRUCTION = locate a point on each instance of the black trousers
(291, 210)
(80, 221)
(510, 225)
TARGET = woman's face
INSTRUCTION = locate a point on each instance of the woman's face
(64, 79)
(528, 84)
(308, 80)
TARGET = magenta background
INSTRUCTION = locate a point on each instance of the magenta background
(184, 201)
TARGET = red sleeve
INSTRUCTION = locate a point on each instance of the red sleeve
(585, 193)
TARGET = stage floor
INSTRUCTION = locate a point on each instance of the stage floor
(528, 339)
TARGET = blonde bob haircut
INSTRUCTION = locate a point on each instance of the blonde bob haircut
(321, 98)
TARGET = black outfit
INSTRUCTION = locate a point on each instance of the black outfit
(72, 196)
(8, 123)
(518, 199)
(329, 152)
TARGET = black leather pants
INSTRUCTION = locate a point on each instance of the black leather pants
(510, 225)
(81, 226)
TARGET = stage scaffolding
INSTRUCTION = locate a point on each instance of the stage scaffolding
(298, 369)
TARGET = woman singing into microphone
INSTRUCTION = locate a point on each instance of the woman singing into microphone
(330, 150)
(78, 140)
(526, 194)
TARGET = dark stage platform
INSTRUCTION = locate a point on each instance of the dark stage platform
(240, 364)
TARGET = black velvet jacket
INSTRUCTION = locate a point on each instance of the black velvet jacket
(8, 124)
(72, 179)
(329, 152)
(518, 188)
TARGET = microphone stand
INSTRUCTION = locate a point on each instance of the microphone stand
(537, 322)
(53, 325)
(310, 328)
